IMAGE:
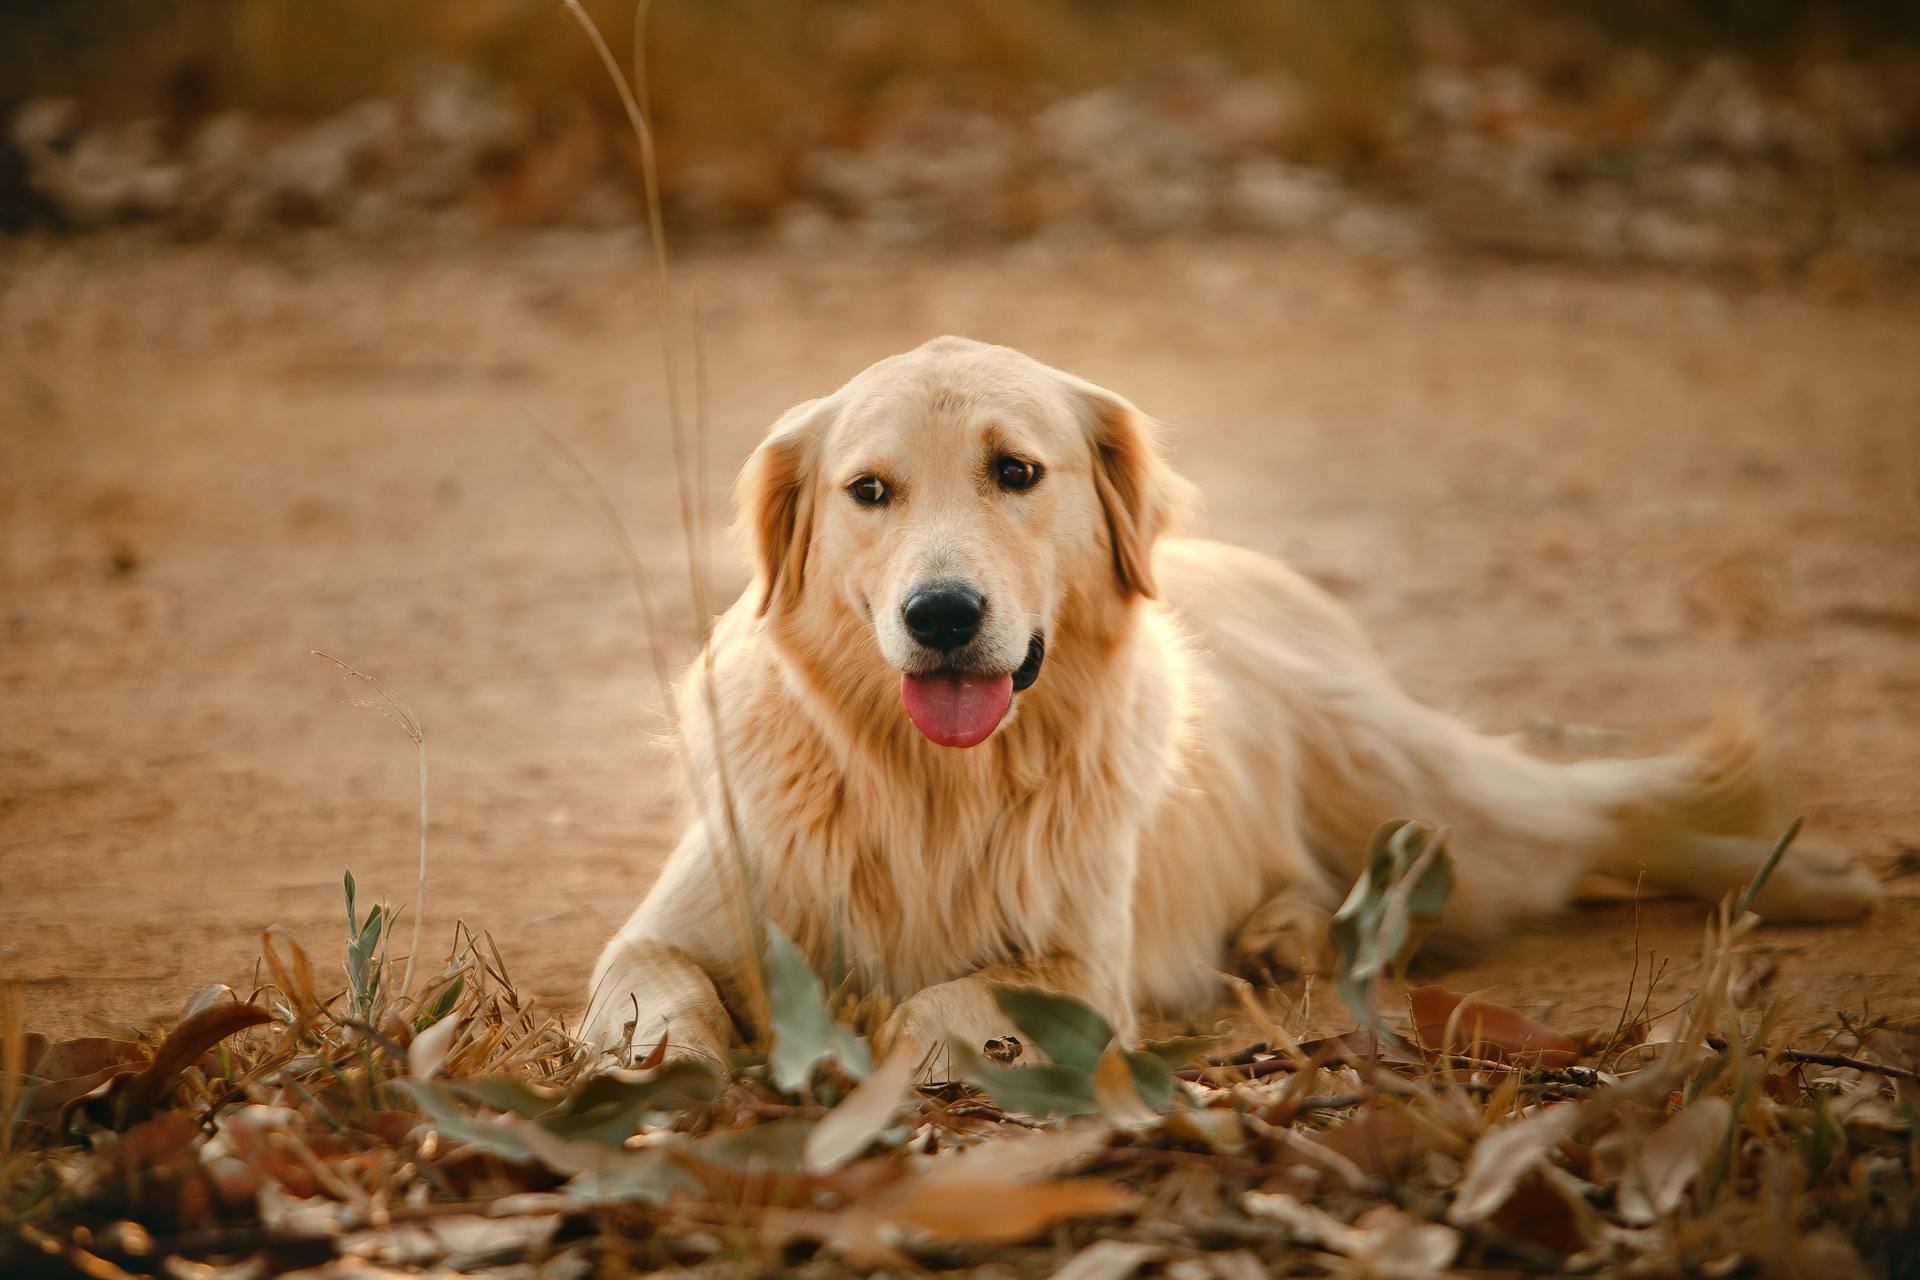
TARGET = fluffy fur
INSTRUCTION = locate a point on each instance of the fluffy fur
(1190, 783)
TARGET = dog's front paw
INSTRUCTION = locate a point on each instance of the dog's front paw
(918, 1030)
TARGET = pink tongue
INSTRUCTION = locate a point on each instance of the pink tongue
(956, 709)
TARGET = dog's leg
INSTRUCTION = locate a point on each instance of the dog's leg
(1286, 936)
(662, 975)
(1090, 958)
(646, 992)
(964, 1009)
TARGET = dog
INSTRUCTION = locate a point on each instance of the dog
(982, 719)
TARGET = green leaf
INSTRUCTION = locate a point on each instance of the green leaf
(804, 1034)
(774, 1146)
(606, 1109)
(442, 1004)
(1066, 1030)
(802, 1027)
(1154, 1079)
(1397, 898)
(505, 1094)
(1045, 1089)
(363, 971)
(494, 1137)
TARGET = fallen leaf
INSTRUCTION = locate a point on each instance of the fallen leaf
(1040, 1090)
(861, 1115)
(183, 1045)
(1660, 1170)
(1304, 1223)
(1504, 1156)
(1551, 1210)
(804, 1032)
(1116, 1094)
(1108, 1260)
(72, 1069)
(206, 997)
(1004, 1211)
(1455, 1023)
(1380, 1142)
(1392, 1244)
(429, 1049)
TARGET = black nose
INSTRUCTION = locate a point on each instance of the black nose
(944, 616)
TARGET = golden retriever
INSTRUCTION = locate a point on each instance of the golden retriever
(979, 721)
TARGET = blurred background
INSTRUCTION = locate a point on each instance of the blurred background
(1572, 345)
(1755, 135)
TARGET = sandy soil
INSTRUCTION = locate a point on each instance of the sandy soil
(1557, 500)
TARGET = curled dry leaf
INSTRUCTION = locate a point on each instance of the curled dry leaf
(184, 1044)
(429, 1050)
(1454, 1023)
(1660, 1171)
(72, 1069)
(1504, 1156)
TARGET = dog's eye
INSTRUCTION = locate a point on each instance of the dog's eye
(1016, 474)
(869, 491)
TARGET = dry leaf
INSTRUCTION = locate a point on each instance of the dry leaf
(1386, 1242)
(862, 1114)
(1391, 1244)
(1455, 1023)
(183, 1045)
(1379, 1142)
(428, 1052)
(1118, 1097)
(1506, 1154)
(1660, 1170)
(989, 1193)
(1005, 1212)
(1108, 1260)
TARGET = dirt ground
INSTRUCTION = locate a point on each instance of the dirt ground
(1585, 507)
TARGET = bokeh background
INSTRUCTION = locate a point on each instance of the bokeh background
(1747, 135)
(1572, 345)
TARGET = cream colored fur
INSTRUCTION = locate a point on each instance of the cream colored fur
(1191, 781)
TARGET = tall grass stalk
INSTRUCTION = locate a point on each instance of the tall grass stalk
(745, 919)
(13, 1060)
(395, 708)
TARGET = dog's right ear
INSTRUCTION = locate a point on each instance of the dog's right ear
(775, 501)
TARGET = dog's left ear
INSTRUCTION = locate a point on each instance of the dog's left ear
(1140, 495)
(775, 500)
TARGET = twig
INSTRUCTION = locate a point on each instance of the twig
(1807, 1057)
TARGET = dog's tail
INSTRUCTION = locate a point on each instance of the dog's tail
(1525, 830)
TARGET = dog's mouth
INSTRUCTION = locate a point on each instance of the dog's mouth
(960, 708)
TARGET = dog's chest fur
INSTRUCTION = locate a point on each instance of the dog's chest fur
(919, 864)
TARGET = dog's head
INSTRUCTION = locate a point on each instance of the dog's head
(954, 502)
